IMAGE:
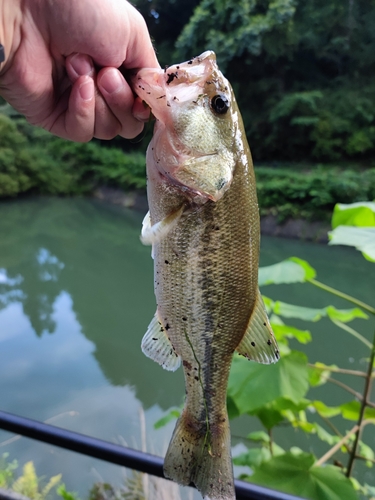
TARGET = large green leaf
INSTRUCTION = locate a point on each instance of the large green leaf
(292, 270)
(296, 474)
(360, 214)
(362, 238)
(252, 385)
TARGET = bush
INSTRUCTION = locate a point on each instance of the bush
(311, 194)
(34, 161)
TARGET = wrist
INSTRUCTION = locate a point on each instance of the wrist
(10, 17)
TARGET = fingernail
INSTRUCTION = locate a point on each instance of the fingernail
(81, 64)
(111, 81)
(86, 90)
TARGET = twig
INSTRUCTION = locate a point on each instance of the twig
(338, 370)
(337, 446)
(364, 403)
(349, 389)
(345, 296)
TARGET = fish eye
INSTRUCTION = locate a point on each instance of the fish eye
(220, 103)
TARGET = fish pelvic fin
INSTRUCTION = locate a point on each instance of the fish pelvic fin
(259, 343)
(157, 346)
(152, 234)
(201, 455)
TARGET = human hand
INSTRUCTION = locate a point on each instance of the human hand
(61, 65)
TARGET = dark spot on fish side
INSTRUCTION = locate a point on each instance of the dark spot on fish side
(187, 364)
(184, 319)
(196, 378)
(190, 62)
(161, 97)
(167, 327)
(253, 344)
(166, 261)
(264, 324)
(277, 354)
(153, 338)
(171, 77)
(269, 342)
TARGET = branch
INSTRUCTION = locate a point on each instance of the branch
(352, 391)
(338, 370)
(337, 446)
(364, 403)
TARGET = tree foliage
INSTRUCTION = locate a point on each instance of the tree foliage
(301, 69)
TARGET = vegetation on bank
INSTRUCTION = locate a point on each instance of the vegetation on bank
(34, 162)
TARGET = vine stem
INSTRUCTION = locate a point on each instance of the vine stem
(343, 295)
(353, 332)
(364, 403)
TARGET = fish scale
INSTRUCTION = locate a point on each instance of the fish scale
(204, 228)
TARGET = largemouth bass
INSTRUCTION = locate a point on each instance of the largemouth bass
(203, 225)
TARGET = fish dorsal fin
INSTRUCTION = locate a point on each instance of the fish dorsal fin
(152, 234)
(157, 346)
(259, 343)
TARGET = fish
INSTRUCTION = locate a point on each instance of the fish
(203, 225)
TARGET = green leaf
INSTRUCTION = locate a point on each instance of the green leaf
(292, 270)
(253, 457)
(282, 331)
(326, 411)
(171, 415)
(299, 312)
(269, 417)
(362, 238)
(361, 214)
(351, 410)
(345, 315)
(252, 385)
(259, 436)
(312, 314)
(297, 475)
(318, 375)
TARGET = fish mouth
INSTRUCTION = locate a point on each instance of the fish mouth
(177, 83)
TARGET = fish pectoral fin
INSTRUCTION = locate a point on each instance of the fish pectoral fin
(152, 234)
(157, 345)
(259, 343)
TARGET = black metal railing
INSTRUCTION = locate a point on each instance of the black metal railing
(116, 454)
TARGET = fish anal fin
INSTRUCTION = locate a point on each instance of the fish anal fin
(153, 233)
(259, 343)
(157, 346)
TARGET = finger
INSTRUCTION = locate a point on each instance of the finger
(141, 111)
(107, 126)
(119, 99)
(77, 120)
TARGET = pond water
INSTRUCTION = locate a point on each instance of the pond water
(76, 296)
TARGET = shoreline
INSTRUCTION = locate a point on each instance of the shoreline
(292, 228)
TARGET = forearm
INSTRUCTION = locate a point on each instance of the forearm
(10, 22)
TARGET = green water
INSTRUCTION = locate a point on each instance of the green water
(76, 296)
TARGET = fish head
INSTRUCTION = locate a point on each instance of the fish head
(195, 143)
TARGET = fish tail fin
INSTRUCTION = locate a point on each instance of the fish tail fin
(200, 453)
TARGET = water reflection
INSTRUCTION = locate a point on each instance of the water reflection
(91, 252)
